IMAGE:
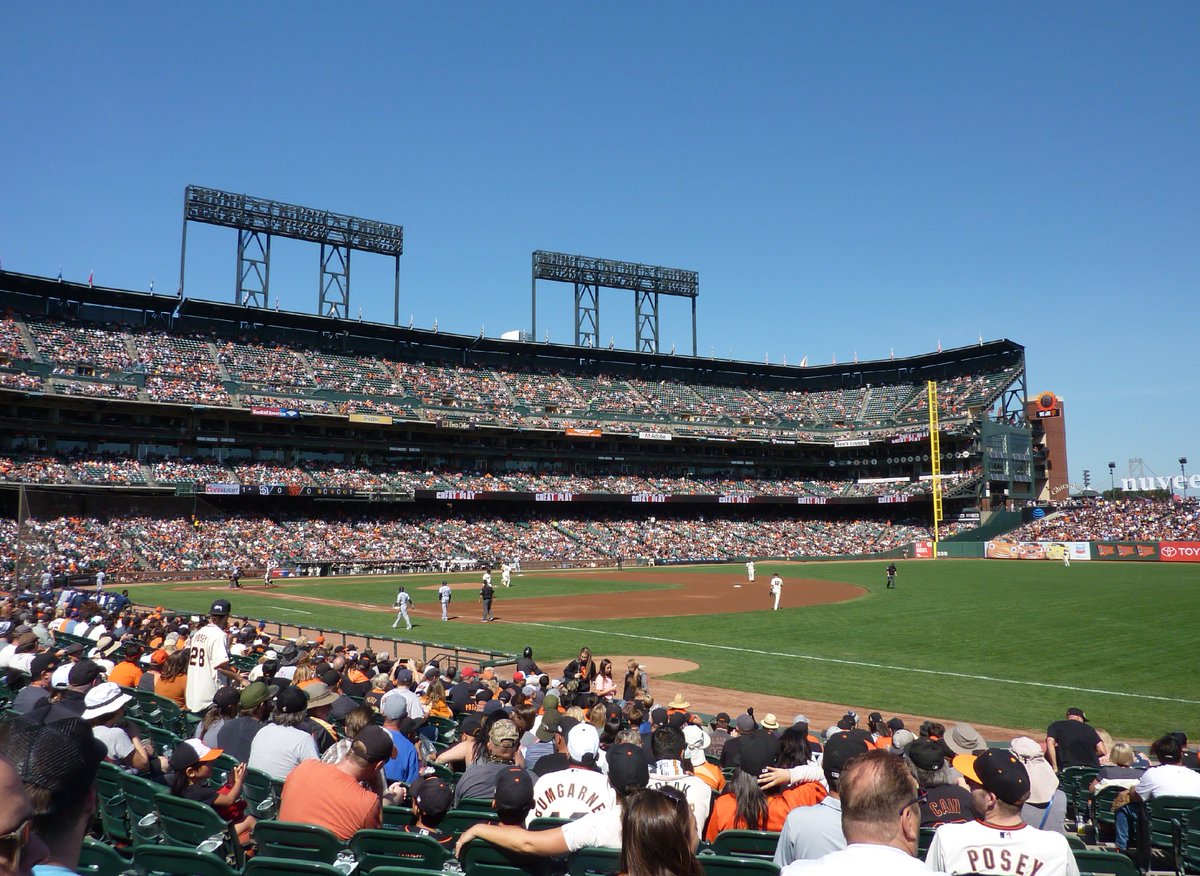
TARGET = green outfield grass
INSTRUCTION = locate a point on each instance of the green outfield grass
(1004, 642)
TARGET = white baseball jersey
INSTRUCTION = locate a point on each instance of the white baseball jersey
(403, 599)
(776, 584)
(444, 593)
(207, 650)
(980, 847)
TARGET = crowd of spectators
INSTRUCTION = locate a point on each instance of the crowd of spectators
(617, 761)
(96, 389)
(415, 476)
(19, 380)
(1131, 519)
(179, 544)
(188, 369)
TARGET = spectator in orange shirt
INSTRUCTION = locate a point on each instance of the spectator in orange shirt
(127, 673)
(745, 805)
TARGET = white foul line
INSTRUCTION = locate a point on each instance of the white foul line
(867, 665)
(294, 610)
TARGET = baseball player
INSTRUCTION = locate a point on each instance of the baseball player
(267, 580)
(750, 571)
(999, 842)
(100, 576)
(776, 589)
(235, 578)
(891, 576)
(1067, 555)
(444, 596)
(403, 601)
(506, 575)
(486, 594)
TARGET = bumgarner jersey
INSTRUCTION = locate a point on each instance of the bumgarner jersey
(206, 652)
(980, 847)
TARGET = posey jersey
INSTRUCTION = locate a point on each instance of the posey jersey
(980, 847)
(206, 651)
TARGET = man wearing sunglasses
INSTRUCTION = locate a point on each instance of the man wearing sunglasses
(19, 849)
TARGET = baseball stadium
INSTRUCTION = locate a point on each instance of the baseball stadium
(759, 540)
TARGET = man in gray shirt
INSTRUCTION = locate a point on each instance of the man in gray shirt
(812, 832)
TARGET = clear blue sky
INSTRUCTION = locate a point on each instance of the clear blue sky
(847, 178)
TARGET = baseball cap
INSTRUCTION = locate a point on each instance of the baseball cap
(191, 752)
(469, 672)
(104, 699)
(60, 680)
(220, 608)
(839, 748)
(722, 719)
(566, 724)
(225, 697)
(1076, 712)
(393, 706)
(998, 772)
(61, 757)
(492, 706)
(582, 741)
(433, 796)
(46, 662)
(745, 724)
(256, 692)
(374, 744)
(503, 732)
(926, 754)
(627, 767)
(291, 700)
(549, 726)
(758, 751)
(658, 716)
(901, 739)
(514, 789)
(404, 676)
(896, 724)
(697, 740)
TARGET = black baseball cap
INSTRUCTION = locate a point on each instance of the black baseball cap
(433, 796)
(291, 700)
(926, 754)
(998, 772)
(220, 608)
(839, 748)
(45, 662)
(373, 743)
(514, 789)
(627, 766)
(84, 672)
(757, 751)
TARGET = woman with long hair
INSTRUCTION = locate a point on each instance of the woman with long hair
(658, 834)
(172, 681)
(434, 701)
(603, 685)
(745, 805)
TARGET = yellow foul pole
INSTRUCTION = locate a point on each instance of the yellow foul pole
(935, 456)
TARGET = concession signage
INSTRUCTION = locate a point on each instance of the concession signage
(853, 442)
(223, 489)
(654, 436)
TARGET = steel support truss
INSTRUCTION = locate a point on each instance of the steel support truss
(334, 300)
(645, 306)
(587, 315)
(253, 268)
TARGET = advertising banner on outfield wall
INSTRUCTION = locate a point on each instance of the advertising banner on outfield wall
(1179, 551)
(1011, 549)
(923, 550)
(1126, 550)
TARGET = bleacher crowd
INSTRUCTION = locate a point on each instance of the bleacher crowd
(192, 739)
(1131, 519)
(170, 544)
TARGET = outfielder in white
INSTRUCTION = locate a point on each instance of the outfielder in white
(506, 575)
(776, 589)
(403, 601)
(750, 571)
(1066, 556)
(100, 576)
(444, 595)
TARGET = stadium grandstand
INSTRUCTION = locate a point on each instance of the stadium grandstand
(427, 445)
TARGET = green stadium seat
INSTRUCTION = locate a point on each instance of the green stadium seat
(547, 822)
(191, 824)
(484, 859)
(114, 817)
(595, 861)
(265, 866)
(1114, 863)
(1076, 782)
(719, 865)
(1191, 842)
(458, 820)
(1100, 804)
(141, 803)
(474, 804)
(398, 816)
(1076, 842)
(746, 843)
(178, 861)
(382, 848)
(296, 842)
(259, 793)
(1167, 817)
(923, 841)
(100, 859)
(406, 871)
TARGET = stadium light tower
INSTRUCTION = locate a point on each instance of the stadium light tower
(1112, 477)
(1183, 474)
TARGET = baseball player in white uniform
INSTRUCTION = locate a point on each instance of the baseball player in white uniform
(100, 576)
(403, 601)
(208, 659)
(999, 842)
(750, 571)
(776, 589)
(487, 576)
(444, 595)
(506, 575)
